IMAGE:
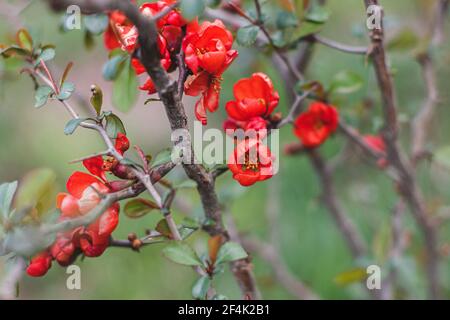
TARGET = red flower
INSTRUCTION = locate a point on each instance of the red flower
(315, 125)
(92, 240)
(121, 33)
(173, 18)
(208, 54)
(98, 166)
(207, 46)
(378, 145)
(250, 162)
(258, 124)
(255, 97)
(84, 194)
(40, 264)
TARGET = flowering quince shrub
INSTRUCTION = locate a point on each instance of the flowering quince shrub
(167, 49)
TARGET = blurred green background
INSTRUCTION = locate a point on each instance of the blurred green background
(310, 244)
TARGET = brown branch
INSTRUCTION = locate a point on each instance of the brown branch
(421, 124)
(170, 97)
(347, 228)
(406, 183)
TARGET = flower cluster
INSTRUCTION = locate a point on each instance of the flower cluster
(255, 100)
(84, 193)
(207, 49)
(121, 33)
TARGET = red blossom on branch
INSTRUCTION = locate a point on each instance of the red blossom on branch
(251, 162)
(208, 54)
(315, 125)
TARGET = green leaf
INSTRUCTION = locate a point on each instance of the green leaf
(96, 23)
(24, 40)
(351, 276)
(114, 125)
(201, 287)
(313, 86)
(66, 91)
(46, 54)
(125, 89)
(405, 40)
(317, 14)
(7, 191)
(190, 9)
(286, 20)
(181, 253)
(346, 82)
(113, 67)
(36, 190)
(246, 36)
(72, 125)
(41, 96)
(139, 207)
(163, 157)
(230, 251)
(163, 228)
(96, 98)
(12, 50)
(89, 40)
(307, 28)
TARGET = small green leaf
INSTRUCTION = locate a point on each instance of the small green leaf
(306, 29)
(72, 125)
(96, 23)
(89, 40)
(139, 207)
(201, 287)
(114, 125)
(190, 9)
(96, 98)
(246, 36)
(13, 50)
(46, 54)
(405, 40)
(317, 14)
(163, 228)
(351, 276)
(41, 96)
(125, 88)
(286, 20)
(230, 251)
(162, 157)
(7, 191)
(24, 40)
(346, 82)
(313, 86)
(113, 67)
(181, 253)
(66, 91)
